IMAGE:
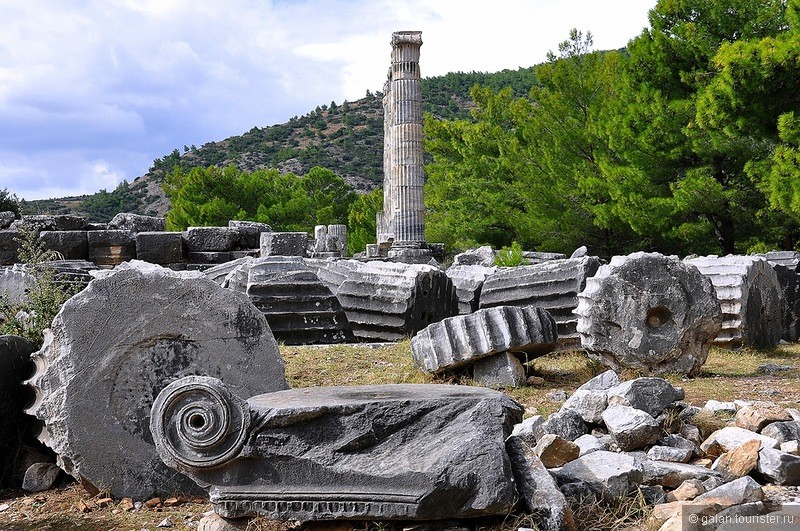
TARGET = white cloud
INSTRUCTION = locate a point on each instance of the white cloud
(92, 91)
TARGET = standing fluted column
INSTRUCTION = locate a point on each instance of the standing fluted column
(403, 204)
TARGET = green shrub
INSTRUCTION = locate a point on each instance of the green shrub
(510, 256)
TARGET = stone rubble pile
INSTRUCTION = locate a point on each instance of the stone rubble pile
(649, 312)
(612, 439)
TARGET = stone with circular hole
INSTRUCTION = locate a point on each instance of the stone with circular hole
(650, 312)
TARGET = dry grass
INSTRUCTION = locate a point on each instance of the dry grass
(727, 375)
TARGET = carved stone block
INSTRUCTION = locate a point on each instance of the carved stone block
(408, 452)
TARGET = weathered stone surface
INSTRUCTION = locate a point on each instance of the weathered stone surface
(728, 438)
(670, 453)
(539, 491)
(554, 451)
(651, 395)
(782, 431)
(222, 274)
(15, 366)
(602, 382)
(688, 490)
(608, 473)
(214, 522)
(14, 283)
(779, 467)
(6, 219)
(370, 452)
(499, 371)
(40, 477)
(669, 474)
(9, 247)
(588, 403)
(249, 232)
(137, 223)
(552, 285)
(791, 447)
(159, 247)
(675, 440)
(648, 311)
(482, 256)
(284, 243)
(748, 290)
(387, 301)
(70, 245)
(528, 429)
(200, 258)
(468, 281)
(211, 239)
(299, 308)
(588, 443)
(715, 406)
(742, 490)
(59, 222)
(630, 428)
(464, 339)
(111, 247)
(756, 415)
(94, 385)
(739, 461)
(566, 423)
(787, 268)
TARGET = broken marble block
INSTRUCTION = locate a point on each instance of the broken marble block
(553, 285)
(284, 244)
(69, 245)
(160, 247)
(387, 301)
(748, 291)
(465, 339)
(609, 474)
(647, 311)
(406, 452)
(15, 282)
(299, 308)
(787, 268)
(111, 247)
(468, 281)
(211, 239)
(249, 232)
(137, 223)
(111, 349)
(9, 247)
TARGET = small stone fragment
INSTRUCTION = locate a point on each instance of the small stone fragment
(602, 382)
(126, 504)
(791, 447)
(539, 491)
(630, 428)
(688, 490)
(739, 461)
(671, 475)
(738, 491)
(670, 453)
(783, 431)
(715, 406)
(610, 474)
(651, 395)
(588, 403)
(779, 467)
(528, 428)
(214, 522)
(589, 443)
(554, 451)
(153, 502)
(499, 371)
(755, 416)
(166, 522)
(728, 438)
(40, 477)
(567, 424)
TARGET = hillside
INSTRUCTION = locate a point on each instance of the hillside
(346, 138)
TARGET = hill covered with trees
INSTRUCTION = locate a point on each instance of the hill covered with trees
(346, 138)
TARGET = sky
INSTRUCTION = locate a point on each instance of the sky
(92, 91)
